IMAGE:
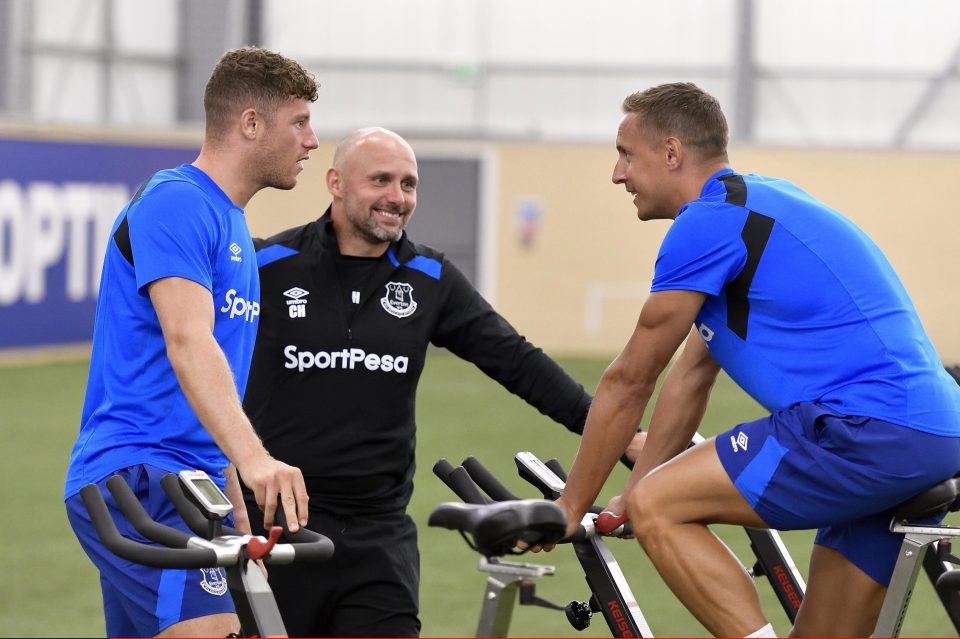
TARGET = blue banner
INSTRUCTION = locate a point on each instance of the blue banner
(58, 201)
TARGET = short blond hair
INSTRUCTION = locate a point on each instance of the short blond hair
(685, 111)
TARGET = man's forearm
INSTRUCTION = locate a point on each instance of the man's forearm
(616, 411)
(625, 391)
(679, 410)
(676, 416)
(187, 317)
(207, 383)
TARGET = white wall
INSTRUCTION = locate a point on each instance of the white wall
(828, 73)
(67, 78)
(848, 73)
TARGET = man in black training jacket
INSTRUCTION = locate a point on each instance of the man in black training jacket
(349, 306)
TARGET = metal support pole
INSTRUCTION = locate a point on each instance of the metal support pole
(254, 23)
(11, 43)
(503, 582)
(744, 75)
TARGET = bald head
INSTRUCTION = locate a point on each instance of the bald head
(373, 182)
(370, 140)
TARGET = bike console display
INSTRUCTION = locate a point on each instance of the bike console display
(203, 492)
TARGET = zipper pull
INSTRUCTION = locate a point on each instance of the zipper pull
(349, 333)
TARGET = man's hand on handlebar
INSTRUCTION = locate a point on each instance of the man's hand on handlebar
(573, 525)
(268, 478)
(614, 515)
(241, 519)
(609, 521)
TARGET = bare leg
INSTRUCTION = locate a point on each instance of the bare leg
(218, 625)
(841, 600)
(669, 510)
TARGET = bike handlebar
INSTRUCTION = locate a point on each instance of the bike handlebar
(458, 480)
(949, 581)
(181, 550)
(607, 522)
(554, 465)
(157, 557)
(485, 480)
(506, 520)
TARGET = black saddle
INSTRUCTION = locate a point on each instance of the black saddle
(496, 528)
(936, 500)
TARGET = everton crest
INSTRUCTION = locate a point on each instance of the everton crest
(214, 581)
(399, 299)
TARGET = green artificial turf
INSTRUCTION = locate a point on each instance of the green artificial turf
(52, 590)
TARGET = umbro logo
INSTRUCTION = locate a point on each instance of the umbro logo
(235, 249)
(295, 293)
(296, 305)
(705, 332)
(738, 442)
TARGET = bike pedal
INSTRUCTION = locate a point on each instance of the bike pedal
(579, 614)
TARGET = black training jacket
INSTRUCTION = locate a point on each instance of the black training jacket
(333, 383)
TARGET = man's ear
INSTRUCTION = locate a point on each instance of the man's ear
(334, 182)
(673, 152)
(250, 123)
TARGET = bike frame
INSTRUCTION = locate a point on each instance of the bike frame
(610, 593)
(213, 546)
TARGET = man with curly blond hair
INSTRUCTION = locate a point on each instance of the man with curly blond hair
(176, 320)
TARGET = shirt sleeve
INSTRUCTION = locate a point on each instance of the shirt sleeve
(471, 329)
(701, 251)
(172, 234)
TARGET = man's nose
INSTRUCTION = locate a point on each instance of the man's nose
(618, 175)
(395, 193)
(311, 142)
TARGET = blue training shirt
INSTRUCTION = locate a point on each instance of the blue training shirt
(803, 306)
(180, 224)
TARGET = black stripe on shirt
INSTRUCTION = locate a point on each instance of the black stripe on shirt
(755, 233)
(122, 235)
(736, 189)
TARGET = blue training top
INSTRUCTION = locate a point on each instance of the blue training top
(180, 224)
(803, 306)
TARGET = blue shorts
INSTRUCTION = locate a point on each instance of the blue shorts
(809, 467)
(139, 601)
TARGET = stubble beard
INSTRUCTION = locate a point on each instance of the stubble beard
(274, 178)
(367, 228)
(275, 170)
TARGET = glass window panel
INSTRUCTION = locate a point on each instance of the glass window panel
(67, 89)
(77, 23)
(144, 95)
(146, 27)
(857, 34)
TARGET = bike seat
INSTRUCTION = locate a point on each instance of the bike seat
(936, 500)
(496, 528)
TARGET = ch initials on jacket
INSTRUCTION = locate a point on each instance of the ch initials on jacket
(296, 305)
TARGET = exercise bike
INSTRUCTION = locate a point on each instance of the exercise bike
(610, 591)
(924, 546)
(203, 507)
(494, 525)
(493, 528)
